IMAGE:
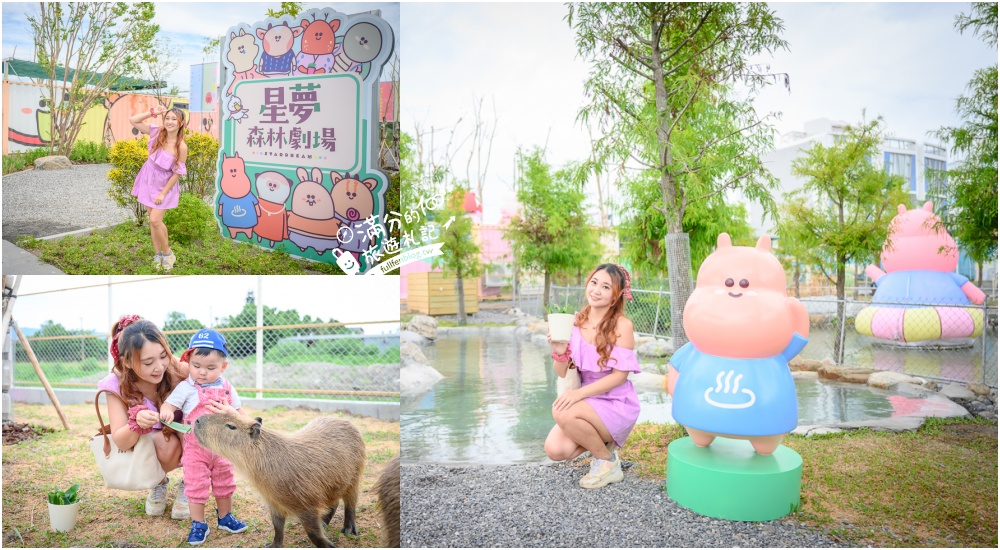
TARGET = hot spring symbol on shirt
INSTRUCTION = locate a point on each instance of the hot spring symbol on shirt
(732, 378)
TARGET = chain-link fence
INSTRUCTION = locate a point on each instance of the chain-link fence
(287, 355)
(922, 339)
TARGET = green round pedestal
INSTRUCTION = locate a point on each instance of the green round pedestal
(729, 480)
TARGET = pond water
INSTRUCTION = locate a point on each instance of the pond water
(494, 404)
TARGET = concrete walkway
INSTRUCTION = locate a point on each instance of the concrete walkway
(18, 261)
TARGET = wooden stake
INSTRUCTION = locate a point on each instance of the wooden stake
(38, 371)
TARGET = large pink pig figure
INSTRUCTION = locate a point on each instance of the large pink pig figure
(732, 379)
(919, 260)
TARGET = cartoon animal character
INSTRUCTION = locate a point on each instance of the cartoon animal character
(236, 110)
(362, 43)
(278, 55)
(242, 54)
(238, 207)
(318, 42)
(732, 379)
(353, 203)
(273, 190)
(311, 222)
(919, 259)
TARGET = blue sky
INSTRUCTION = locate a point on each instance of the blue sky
(904, 61)
(186, 24)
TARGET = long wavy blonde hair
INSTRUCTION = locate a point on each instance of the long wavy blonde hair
(161, 137)
(130, 341)
(607, 334)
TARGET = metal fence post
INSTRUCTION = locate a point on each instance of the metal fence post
(260, 337)
(656, 321)
(982, 343)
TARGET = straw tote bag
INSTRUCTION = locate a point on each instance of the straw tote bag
(135, 469)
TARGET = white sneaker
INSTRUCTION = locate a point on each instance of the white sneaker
(168, 261)
(156, 502)
(158, 261)
(181, 508)
(603, 472)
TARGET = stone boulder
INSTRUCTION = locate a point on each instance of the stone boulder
(979, 389)
(845, 373)
(539, 327)
(415, 379)
(802, 364)
(957, 391)
(888, 380)
(413, 337)
(423, 325)
(53, 162)
(411, 353)
(655, 348)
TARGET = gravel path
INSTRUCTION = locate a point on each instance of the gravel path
(48, 202)
(541, 505)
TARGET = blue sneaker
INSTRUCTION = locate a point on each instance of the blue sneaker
(199, 532)
(231, 524)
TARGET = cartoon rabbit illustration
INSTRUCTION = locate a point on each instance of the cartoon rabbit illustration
(312, 221)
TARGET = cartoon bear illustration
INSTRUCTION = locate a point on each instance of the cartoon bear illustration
(238, 207)
(353, 203)
(311, 221)
(732, 379)
(362, 43)
(273, 190)
(278, 55)
(318, 42)
(242, 54)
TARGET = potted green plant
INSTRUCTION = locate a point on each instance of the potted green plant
(560, 321)
(63, 507)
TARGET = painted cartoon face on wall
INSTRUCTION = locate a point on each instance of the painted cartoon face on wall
(235, 182)
(243, 51)
(739, 308)
(310, 199)
(273, 187)
(917, 240)
(352, 198)
(319, 37)
(362, 42)
(278, 40)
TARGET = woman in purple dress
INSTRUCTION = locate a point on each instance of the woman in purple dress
(598, 416)
(156, 184)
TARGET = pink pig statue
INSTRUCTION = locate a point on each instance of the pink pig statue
(732, 379)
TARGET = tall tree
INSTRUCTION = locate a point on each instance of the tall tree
(971, 185)
(87, 48)
(551, 234)
(842, 212)
(661, 82)
(460, 253)
(160, 62)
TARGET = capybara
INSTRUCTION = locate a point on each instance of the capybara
(304, 474)
(387, 489)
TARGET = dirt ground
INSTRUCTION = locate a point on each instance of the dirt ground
(109, 518)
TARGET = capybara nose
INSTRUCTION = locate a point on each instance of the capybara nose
(198, 420)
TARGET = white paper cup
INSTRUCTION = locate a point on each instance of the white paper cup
(561, 326)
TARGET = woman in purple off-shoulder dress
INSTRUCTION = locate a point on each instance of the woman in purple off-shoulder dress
(156, 184)
(600, 415)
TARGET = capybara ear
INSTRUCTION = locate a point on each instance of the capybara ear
(901, 209)
(764, 243)
(929, 206)
(259, 420)
(335, 177)
(255, 431)
(724, 240)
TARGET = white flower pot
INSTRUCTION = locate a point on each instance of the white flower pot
(62, 517)
(561, 326)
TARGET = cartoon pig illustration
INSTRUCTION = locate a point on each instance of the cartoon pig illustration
(920, 258)
(732, 379)
(272, 191)
(238, 208)
(318, 42)
(242, 54)
(278, 55)
(312, 222)
(353, 203)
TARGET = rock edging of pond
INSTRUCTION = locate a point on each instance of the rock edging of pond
(416, 376)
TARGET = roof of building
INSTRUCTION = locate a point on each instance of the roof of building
(30, 69)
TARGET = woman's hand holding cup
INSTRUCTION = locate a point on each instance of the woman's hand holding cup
(558, 347)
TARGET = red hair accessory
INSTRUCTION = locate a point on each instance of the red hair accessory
(627, 291)
(122, 323)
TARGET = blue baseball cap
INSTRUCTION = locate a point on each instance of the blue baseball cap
(208, 338)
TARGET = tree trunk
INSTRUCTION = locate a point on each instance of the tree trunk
(838, 344)
(679, 269)
(798, 273)
(979, 278)
(460, 288)
(545, 293)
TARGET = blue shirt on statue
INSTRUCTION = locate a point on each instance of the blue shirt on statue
(744, 397)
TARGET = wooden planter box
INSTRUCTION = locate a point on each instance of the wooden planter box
(434, 294)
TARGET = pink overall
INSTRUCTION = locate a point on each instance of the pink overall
(202, 468)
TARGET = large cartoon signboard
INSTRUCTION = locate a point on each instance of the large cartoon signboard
(300, 137)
